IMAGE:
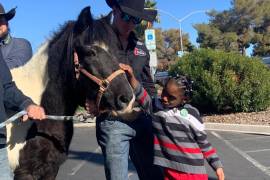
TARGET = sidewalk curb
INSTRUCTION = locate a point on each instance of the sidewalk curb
(243, 128)
(83, 125)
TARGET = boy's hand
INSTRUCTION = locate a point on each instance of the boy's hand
(130, 75)
(34, 112)
(91, 107)
(220, 174)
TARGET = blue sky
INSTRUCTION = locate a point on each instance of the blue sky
(36, 20)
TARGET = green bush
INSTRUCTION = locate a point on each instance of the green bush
(225, 82)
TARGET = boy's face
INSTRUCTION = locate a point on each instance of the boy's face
(172, 95)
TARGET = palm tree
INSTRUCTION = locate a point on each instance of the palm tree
(151, 4)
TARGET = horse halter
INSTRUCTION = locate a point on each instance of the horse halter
(103, 83)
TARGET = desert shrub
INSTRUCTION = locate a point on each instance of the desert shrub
(225, 82)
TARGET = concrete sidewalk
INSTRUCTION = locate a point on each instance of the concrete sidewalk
(243, 128)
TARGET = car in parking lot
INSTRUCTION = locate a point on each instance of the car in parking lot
(161, 77)
(266, 60)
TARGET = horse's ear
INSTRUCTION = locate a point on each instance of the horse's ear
(85, 20)
(108, 18)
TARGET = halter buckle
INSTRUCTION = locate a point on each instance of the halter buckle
(105, 84)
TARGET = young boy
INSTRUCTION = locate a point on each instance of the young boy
(180, 141)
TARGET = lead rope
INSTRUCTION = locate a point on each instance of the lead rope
(50, 117)
(102, 83)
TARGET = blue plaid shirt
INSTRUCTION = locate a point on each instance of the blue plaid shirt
(16, 51)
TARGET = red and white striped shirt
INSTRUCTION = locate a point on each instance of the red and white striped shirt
(180, 141)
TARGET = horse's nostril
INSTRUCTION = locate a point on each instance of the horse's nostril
(123, 99)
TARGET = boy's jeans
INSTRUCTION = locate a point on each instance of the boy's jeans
(5, 171)
(119, 139)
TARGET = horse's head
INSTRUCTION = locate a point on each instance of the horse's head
(100, 80)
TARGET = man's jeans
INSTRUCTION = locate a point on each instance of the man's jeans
(119, 139)
(5, 171)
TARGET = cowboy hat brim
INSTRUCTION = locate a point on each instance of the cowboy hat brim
(110, 3)
(147, 14)
(9, 15)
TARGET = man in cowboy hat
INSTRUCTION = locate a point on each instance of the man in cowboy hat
(16, 51)
(119, 138)
(12, 98)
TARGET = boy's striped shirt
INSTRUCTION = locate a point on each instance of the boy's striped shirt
(180, 141)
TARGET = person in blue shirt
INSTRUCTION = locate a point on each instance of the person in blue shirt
(16, 51)
(12, 98)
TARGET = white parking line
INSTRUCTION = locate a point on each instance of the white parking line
(259, 150)
(251, 138)
(245, 155)
(80, 165)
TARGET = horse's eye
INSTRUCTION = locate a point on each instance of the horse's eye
(90, 51)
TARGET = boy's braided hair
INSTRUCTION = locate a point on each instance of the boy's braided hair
(184, 83)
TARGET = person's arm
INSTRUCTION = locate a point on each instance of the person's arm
(207, 149)
(143, 98)
(20, 52)
(13, 98)
(141, 94)
(209, 152)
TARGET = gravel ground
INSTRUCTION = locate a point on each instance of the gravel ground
(253, 118)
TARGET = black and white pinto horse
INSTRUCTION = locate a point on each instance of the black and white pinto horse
(37, 149)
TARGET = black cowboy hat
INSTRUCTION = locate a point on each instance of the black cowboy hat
(134, 8)
(9, 15)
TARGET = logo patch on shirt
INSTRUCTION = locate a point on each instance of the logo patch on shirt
(184, 112)
(139, 43)
(139, 52)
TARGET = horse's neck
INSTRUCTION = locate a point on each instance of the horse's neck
(31, 78)
(56, 101)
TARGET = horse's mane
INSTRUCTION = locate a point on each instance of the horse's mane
(59, 51)
(103, 32)
(60, 62)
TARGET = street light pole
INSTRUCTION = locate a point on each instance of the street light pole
(180, 25)
(180, 22)
(181, 39)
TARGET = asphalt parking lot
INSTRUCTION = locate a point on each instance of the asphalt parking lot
(245, 156)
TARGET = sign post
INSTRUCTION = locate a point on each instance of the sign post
(180, 53)
(150, 42)
(150, 39)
